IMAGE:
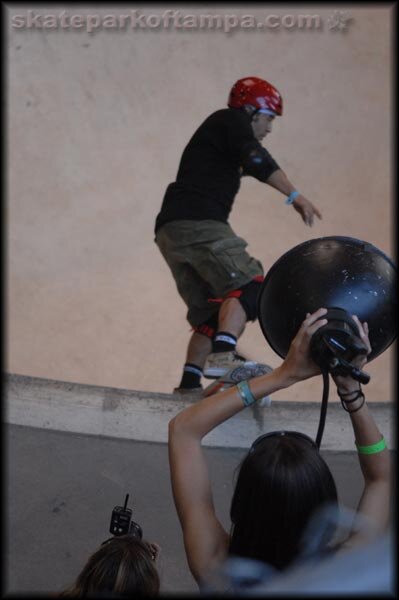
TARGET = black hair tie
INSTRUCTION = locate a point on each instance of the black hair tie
(358, 394)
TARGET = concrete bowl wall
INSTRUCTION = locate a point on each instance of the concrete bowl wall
(96, 126)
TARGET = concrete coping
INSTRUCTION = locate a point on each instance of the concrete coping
(144, 416)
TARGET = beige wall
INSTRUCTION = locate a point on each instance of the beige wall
(97, 124)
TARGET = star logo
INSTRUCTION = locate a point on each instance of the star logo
(338, 21)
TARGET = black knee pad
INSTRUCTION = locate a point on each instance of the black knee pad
(208, 328)
(249, 298)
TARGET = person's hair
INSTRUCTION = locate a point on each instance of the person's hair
(281, 482)
(122, 566)
(250, 110)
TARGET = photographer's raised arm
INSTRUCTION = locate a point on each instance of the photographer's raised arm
(373, 455)
(205, 540)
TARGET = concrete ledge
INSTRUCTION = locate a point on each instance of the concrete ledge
(143, 416)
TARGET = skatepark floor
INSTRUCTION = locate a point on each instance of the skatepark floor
(61, 488)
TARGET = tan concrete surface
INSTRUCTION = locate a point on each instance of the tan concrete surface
(96, 126)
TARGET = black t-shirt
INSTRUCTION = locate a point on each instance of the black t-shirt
(210, 169)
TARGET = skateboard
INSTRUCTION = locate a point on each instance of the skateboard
(237, 374)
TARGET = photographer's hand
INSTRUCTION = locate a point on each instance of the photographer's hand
(298, 364)
(346, 385)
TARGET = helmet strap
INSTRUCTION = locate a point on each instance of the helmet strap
(267, 111)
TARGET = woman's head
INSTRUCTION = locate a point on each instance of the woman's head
(122, 566)
(281, 482)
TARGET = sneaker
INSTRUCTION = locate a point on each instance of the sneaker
(238, 374)
(218, 364)
(247, 371)
(194, 393)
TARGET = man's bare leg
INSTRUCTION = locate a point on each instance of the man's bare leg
(231, 325)
(232, 317)
(198, 349)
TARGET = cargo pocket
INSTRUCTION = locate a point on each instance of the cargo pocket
(231, 265)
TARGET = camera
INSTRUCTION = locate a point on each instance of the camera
(337, 343)
(122, 524)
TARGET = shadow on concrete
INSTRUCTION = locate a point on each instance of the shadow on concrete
(62, 487)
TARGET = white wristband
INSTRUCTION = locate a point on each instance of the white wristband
(265, 402)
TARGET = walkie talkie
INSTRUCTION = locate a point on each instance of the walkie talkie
(121, 522)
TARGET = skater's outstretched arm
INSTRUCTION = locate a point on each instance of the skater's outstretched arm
(302, 205)
(206, 542)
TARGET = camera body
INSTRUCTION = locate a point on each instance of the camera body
(337, 343)
(122, 524)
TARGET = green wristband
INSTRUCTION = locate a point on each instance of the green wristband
(373, 448)
(246, 395)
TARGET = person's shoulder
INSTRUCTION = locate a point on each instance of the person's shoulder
(228, 122)
(230, 115)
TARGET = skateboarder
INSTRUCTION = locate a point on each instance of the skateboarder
(215, 276)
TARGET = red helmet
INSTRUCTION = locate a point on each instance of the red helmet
(256, 92)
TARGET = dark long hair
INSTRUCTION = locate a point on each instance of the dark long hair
(122, 566)
(281, 482)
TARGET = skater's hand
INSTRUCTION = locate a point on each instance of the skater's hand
(298, 364)
(306, 209)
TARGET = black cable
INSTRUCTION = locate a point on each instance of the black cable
(324, 404)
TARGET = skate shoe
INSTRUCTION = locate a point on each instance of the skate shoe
(189, 393)
(218, 364)
(246, 371)
(237, 374)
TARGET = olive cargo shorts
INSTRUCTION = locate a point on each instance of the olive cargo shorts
(207, 260)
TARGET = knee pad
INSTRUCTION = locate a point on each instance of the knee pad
(248, 297)
(208, 328)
